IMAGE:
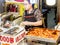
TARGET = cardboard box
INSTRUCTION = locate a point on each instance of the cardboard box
(7, 39)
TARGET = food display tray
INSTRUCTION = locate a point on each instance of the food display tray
(42, 39)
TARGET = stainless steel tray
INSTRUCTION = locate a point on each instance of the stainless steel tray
(42, 39)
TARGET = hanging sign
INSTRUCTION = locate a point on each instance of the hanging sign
(19, 0)
(33, 1)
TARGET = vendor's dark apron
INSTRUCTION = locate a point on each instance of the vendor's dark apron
(31, 18)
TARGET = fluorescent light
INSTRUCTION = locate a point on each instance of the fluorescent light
(50, 2)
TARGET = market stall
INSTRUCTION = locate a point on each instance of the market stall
(12, 33)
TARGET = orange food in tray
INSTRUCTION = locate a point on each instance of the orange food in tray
(44, 33)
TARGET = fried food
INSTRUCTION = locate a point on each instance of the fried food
(44, 33)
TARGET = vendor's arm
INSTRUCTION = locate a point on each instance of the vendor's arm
(32, 23)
